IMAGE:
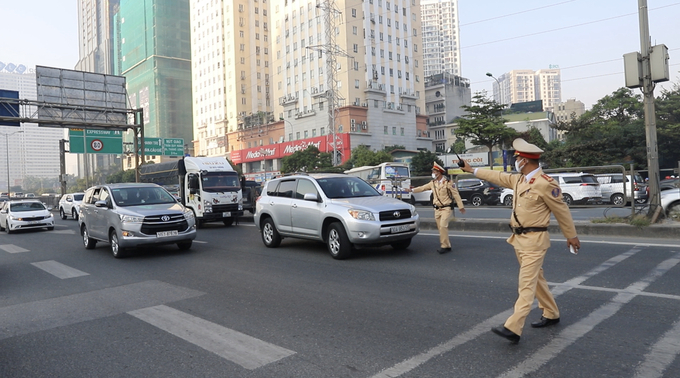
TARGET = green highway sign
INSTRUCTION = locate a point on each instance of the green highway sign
(153, 146)
(95, 141)
(173, 147)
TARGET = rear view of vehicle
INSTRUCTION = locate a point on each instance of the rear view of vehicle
(613, 186)
(578, 188)
(478, 192)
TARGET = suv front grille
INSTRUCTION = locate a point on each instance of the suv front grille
(390, 215)
(154, 224)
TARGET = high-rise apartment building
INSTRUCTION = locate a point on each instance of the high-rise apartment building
(95, 35)
(528, 85)
(441, 37)
(153, 51)
(232, 74)
(33, 152)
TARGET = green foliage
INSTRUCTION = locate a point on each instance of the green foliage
(309, 160)
(668, 127)
(421, 164)
(122, 176)
(484, 125)
(458, 147)
(362, 156)
(389, 149)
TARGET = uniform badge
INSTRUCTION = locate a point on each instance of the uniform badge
(556, 192)
(532, 180)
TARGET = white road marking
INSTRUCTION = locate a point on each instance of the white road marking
(483, 327)
(11, 248)
(583, 239)
(247, 351)
(200, 242)
(65, 232)
(661, 354)
(59, 270)
(577, 330)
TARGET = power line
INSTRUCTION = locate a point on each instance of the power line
(516, 13)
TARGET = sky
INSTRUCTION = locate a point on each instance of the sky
(585, 38)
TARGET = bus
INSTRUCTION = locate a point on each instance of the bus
(390, 178)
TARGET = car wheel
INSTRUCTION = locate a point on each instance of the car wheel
(401, 244)
(7, 229)
(476, 200)
(116, 249)
(617, 199)
(228, 221)
(641, 200)
(507, 201)
(87, 240)
(338, 244)
(566, 198)
(74, 213)
(270, 236)
(674, 211)
(184, 245)
(62, 214)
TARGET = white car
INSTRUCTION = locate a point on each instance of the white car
(670, 202)
(506, 196)
(23, 215)
(69, 204)
(423, 198)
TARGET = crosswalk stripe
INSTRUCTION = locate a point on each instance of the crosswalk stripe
(247, 351)
(59, 270)
(577, 330)
(11, 248)
(65, 232)
(661, 355)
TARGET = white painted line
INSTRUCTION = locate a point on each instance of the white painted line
(583, 239)
(247, 351)
(661, 355)
(610, 290)
(11, 248)
(200, 242)
(65, 232)
(59, 270)
(577, 330)
(484, 327)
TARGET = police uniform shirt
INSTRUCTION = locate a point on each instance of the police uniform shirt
(440, 190)
(534, 200)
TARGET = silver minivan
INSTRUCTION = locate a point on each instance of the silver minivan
(578, 188)
(612, 186)
(131, 215)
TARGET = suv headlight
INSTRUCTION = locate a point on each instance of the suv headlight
(188, 214)
(413, 211)
(131, 218)
(361, 215)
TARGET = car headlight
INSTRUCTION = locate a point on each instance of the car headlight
(188, 214)
(131, 219)
(50, 215)
(361, 215)
(414, 212)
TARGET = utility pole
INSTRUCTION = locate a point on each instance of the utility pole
(650, 113)
(62, 165)
(332, 51)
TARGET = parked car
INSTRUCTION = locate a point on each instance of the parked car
(69, 204)
(423, 198)
(612, 187)
(22, 215)
(132, 215)
(670, 202)
(478, 192)
(669, 184)
(340, 210)
(507, 195)
(578, 188)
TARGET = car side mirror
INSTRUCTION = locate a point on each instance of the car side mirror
(3, 212)
(311, 197)
(100, 204)
(69, 200)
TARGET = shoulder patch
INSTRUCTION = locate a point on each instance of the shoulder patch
(548, 178)
(532, 180)
(555, 192)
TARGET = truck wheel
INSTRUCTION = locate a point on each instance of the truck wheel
(270, 236)
(116, 249)
(338, 244)
(228, 221)
(87, 240)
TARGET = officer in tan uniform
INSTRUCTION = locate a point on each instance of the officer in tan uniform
(443, 193)
(536, 196)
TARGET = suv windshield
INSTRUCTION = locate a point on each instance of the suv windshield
(346, 187)
(141, 196)
(220, 182)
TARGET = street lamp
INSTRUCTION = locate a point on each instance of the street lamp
(500, 89)
(7, 152)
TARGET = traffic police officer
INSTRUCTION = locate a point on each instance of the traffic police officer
(536, 196)
(443, 195)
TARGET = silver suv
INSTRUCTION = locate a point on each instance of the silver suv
(339, 210)
(130, 215)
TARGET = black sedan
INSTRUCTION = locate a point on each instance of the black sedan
(478, 192)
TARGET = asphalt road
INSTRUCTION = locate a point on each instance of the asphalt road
(232, 308)
(579, 213)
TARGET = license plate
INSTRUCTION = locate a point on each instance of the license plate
(162, 234)
(402, 228)
(226, 214)
(34, 222)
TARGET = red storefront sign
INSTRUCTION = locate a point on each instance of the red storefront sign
(280, 150)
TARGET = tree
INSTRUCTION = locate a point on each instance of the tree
(309, 160)
(483, 124)
(421, 163)
(362, 156)
(458, 147)
(668, 127)
(389, 149)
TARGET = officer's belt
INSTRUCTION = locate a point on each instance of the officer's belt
(524, 230)
(441, 207)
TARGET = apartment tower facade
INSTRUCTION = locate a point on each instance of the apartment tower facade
(441, 37)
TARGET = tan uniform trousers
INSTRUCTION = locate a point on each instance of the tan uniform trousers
(441, 217)
(532, 285)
